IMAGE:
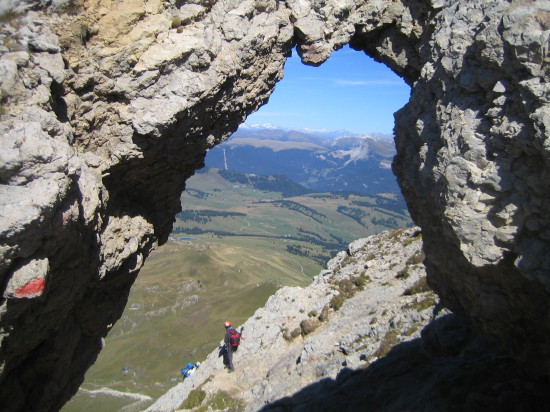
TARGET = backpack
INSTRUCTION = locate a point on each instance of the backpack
(188, 370)
(234, 338)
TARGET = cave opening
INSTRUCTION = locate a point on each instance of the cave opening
(274, 202)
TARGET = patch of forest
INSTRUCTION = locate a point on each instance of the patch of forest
(353, 213)
(205, 216)
(273, 183)
(384, 204)
(300, 208)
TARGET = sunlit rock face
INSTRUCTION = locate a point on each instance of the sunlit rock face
(108, 107)
(473, 157)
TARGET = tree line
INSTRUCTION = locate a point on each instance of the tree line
(204, 216)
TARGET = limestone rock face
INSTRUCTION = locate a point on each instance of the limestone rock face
(380, 339)
(473, 163)
(360, 309)
(108, 107)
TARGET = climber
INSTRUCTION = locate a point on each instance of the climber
(231, 343)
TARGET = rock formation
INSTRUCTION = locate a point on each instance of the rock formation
(352, 314)
(367, 334)
(108, 107)
(473, 162)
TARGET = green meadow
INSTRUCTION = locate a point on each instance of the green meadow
(314, 224)
(232, 247)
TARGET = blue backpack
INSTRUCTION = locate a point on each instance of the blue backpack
(188, 370)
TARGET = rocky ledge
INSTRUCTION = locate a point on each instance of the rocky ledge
(367, 331)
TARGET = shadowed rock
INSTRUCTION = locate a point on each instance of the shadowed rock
(468, 375)
(105, 112)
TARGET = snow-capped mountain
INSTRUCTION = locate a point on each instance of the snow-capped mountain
(348, 162)
(326, 133)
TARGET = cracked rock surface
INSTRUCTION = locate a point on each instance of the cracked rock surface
(367, 334)
(107, 107)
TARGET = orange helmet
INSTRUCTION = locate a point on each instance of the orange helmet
(227, 324)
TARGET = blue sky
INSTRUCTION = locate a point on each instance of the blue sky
(350, 91)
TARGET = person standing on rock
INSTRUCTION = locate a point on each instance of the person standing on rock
(231, 343)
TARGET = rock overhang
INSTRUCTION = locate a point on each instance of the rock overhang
(127, 99)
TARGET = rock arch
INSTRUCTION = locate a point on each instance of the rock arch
(108, 107)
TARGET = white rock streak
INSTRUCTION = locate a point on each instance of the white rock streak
(117, 394)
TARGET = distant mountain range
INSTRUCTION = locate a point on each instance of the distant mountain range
(329, 134)
(343, 162)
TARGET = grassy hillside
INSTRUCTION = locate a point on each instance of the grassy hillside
(233, 246)
(318, 224)
(177, 307)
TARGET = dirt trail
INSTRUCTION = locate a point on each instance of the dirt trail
(228, 383)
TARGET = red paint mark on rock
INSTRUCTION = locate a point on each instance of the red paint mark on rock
(31, 289)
